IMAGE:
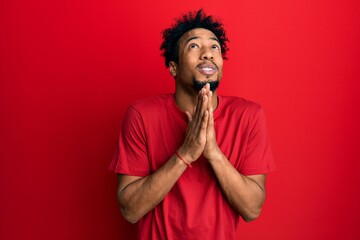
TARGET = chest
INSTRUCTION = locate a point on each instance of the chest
(166, 133)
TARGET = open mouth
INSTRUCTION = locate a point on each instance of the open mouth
(207, 68)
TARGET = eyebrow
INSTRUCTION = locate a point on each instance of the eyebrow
(195, 37)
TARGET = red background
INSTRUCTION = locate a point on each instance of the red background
(69, 69)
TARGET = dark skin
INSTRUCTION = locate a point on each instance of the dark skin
(199, 52)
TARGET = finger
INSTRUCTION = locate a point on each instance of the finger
(211, 118)
(207, 87)
(189, 116)
(197, 109)
(198, 103)
(202, 111)
(204, 125)
(202, 89)
(210, 104)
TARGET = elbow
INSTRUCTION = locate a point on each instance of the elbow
(129, 215)
(128, 212)
(251, 215)
(252, 211)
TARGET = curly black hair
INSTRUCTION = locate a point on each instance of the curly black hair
(187, 22)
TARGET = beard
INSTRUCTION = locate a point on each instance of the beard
(197, 85)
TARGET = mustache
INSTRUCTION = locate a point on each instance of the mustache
(198, 85)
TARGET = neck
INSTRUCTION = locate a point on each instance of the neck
(187, 101)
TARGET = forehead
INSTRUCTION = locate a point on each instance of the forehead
(199, 33)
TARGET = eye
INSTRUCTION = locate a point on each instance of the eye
(215, 46)
(193, 45)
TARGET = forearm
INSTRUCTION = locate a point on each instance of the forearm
(139, 197)
(245, 195)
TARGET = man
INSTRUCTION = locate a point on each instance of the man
(191, 163)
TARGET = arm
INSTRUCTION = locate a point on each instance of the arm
(245, 194)
(138, 195)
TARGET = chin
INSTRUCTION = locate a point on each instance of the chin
(198, 85)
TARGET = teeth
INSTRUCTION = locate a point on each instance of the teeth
(207, 69)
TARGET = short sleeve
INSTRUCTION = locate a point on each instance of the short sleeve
(130, 156)
(258, 156)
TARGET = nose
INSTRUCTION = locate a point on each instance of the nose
(206, 54)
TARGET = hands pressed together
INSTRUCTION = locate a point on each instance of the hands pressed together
(200, 135)
(245, 194)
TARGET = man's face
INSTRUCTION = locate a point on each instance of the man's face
(200, 60)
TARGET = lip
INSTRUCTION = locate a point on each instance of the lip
(207, 68)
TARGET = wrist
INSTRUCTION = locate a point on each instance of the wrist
(216, 155)
(182, 159)
(185, 154)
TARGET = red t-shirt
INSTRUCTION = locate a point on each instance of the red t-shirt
(195, 208)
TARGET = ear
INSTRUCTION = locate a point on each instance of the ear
(172, 68)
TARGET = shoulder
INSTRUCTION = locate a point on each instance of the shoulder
(151, 104)
(153, 109)
(239, 105)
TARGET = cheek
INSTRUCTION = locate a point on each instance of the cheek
(188, 66)
(221, 61)
(220, 66)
